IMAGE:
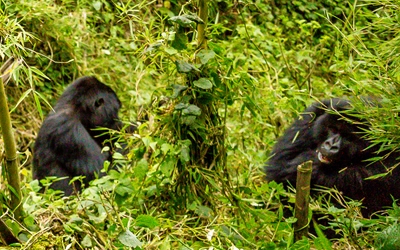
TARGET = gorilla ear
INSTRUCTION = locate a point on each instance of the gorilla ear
(99, 102)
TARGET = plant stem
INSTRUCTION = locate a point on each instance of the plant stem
(12, 163)
(201, 27)
(302, 199)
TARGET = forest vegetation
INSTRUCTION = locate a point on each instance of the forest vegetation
(209, 107)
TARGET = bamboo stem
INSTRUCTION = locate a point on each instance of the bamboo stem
(201, 27)
(12, 163)
(302, 199)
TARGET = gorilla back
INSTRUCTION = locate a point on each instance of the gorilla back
(67, 145)
(333, 141)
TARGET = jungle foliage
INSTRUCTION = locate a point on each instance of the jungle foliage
(208, 116)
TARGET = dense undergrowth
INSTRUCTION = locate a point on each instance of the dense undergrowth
(207, 117)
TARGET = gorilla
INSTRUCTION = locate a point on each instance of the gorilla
(68, 143)
(335, 142)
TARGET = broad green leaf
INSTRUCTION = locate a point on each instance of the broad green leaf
(205, 55)
(146, 221)
(185, 20)
(177, 90)
(165, 147)
(192, 110)
(184, 67)
(123, 190)
(181, 106)
(97, 5)
(87, 242)
(141, 168)
(194, 18)
(203, 211)
(184, 156)
(203, 83)
(129, 239)
(171, 51)
(168, 165)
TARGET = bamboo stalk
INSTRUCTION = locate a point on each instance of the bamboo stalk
(302, 199)
(12, 163)
(201, 27)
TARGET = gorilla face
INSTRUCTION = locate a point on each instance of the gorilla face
(338, 140)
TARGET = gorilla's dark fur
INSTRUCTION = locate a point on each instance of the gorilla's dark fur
(66, 144)
(334, 142)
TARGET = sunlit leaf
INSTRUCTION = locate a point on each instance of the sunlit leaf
(97, 5)
(168, 165)
(129, 239)
(87, 242)
(148, 221)
(141, 168)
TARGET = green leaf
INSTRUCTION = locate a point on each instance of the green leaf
(146, 221)
(15, 228)
(181, 106)
(129, 239)
(186, 20)
(203, 211)
(184, 156)
(141, 168)
(168, 165)
(30, 222)
(203, 83)
(194, 18)
(180, 41)
(177, 90)
(192, 110)
(321, 242)
(166, 147)
(171, 51)
(303, 244)
(184, 67)
(97, 5)
(123, 190)
(87, 242)
(205, 55)
(389, 238)
(188, 119)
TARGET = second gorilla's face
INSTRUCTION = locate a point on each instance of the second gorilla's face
(339, 142)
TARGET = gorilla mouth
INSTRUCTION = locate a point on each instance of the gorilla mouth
(323, 159)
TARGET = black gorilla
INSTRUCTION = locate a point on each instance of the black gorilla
(66, 144)
(334, 142)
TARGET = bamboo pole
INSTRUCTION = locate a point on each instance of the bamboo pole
(302, 199)
(201, 27)
(12, 163)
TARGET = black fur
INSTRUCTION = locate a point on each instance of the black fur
(66, 144)
(339, 153)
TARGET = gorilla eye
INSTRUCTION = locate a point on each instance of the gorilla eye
(99, 102)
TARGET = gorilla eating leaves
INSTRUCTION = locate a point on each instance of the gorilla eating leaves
(335, 144)
(68, 144)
